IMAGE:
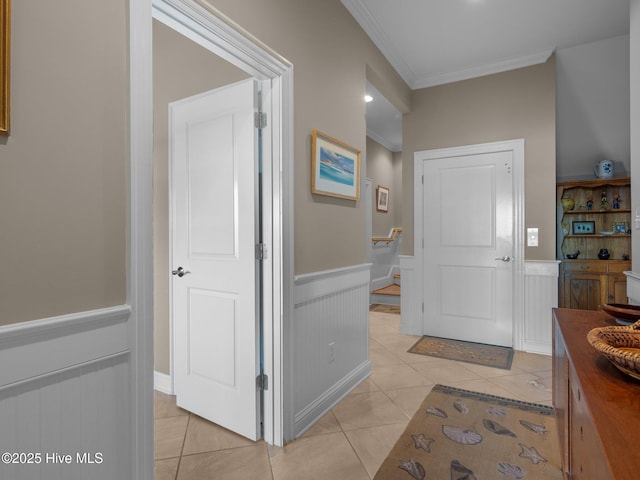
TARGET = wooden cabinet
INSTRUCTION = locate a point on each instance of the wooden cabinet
(587, 284)
(596, 405)
(589, 221)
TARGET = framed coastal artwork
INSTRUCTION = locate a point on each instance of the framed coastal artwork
(335, 167)
(5, 49)
(382, 200)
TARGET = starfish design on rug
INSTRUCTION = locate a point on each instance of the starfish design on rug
(532, 454)
(420, 441)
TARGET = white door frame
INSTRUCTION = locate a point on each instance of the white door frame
(517, 147)
(209, 28)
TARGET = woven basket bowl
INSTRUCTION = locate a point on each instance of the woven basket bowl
(621, 345)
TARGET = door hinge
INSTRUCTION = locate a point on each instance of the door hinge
(260, 120)
(261, 251)
(262, 381)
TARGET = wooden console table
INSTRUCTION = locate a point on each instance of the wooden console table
(597, 406)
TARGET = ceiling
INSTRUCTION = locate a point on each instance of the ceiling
(431, 42)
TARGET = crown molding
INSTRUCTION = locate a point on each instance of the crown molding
(383, 141)
(482, 70)
(361, 14)
(376, 33)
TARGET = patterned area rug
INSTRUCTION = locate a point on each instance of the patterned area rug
(376, 307)
(457, 434)
(478, 353)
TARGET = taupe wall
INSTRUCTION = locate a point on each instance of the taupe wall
(505, 106)
(181, 69)
(331, 56)
(634, 55)
(63, 185)
(592, 114)
(383, 168)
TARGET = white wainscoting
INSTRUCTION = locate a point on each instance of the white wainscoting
(410, 303)
(540, 297)
(65, 389)
(329, 340)
(633, 287)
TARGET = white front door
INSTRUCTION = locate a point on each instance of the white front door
(468, 231)
(215, 310)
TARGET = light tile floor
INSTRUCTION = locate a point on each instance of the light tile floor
(352, 440)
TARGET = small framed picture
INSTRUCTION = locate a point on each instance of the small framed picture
(382, 199)
(620, 227)
(583, 228)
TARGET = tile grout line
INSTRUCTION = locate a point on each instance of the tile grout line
(184, 440)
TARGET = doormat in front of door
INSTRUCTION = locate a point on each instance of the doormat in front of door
(478, 353)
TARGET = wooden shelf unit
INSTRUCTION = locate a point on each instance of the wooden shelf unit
(588, 282)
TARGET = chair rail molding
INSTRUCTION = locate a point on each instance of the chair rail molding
(67, 390)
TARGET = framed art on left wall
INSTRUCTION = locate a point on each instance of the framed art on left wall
(5, 72)
(335, 167)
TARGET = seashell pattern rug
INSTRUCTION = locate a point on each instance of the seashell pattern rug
(458, 434)
(470, 352)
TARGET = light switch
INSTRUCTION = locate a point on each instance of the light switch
(532, 237)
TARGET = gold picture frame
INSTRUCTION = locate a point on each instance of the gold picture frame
(335, 167)
(5, 71)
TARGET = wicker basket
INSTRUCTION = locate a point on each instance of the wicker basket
(621, 345)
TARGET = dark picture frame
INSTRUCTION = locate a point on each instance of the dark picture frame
(586, 227)
(382, 199)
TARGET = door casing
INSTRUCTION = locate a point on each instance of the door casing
(206, 26)
(517, 147)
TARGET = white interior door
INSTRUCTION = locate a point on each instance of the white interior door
(214, 185)
(468, 231)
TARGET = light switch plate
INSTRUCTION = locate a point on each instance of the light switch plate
(532, 237)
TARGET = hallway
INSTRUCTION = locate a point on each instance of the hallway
(352, 440)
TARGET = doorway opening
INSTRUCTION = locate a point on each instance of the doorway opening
(243, 58)
(384, 197)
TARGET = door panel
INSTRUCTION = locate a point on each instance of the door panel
(215, 305)
(468, 231)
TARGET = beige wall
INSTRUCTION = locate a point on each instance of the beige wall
(634, 42)
(383, 169)
(181, 69)
(332, 60)
(505, 106)
(63, 186)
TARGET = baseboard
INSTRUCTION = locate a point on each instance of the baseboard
(307, 417)
(162, 382)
